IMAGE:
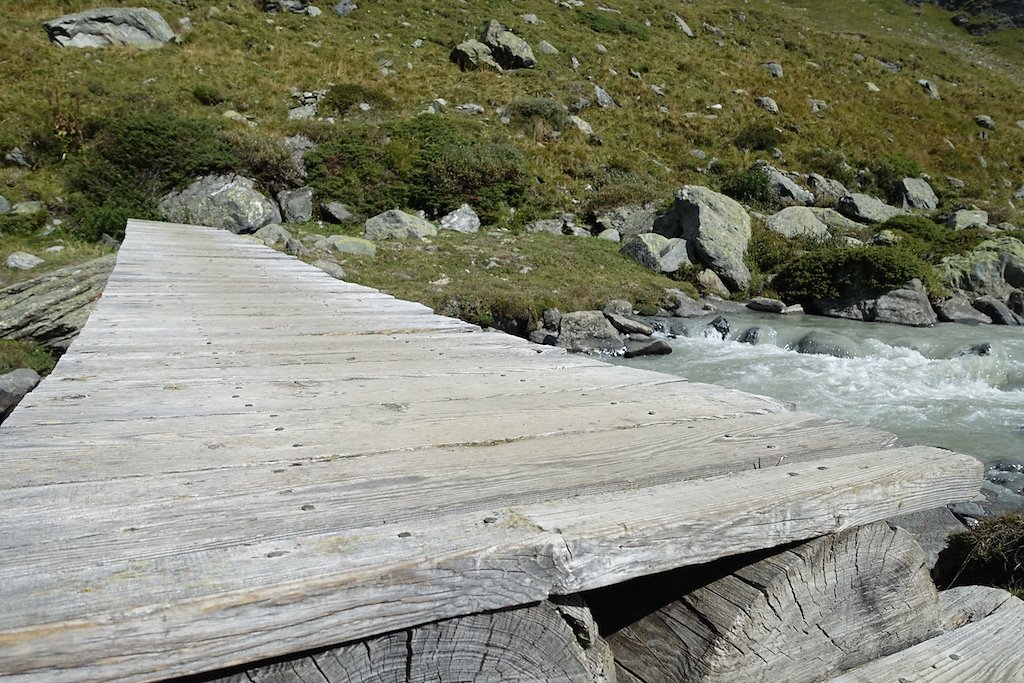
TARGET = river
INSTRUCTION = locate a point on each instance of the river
(911, 381)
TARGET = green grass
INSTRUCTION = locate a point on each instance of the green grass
(21, 354)
(989, 554)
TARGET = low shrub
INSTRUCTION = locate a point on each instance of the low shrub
(752, 185)
(603, 22)
(207, 95)
(769, 252)
(990, 554)
(24, 354)
(829, 163)
(932, 242)
(620, 188)
(886, 171)
(759, 137)
(838, 273)
(342, 97)
(544, 109)
(21, 225)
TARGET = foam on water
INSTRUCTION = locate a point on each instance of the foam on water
(912, 382)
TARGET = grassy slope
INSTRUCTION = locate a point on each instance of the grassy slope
(255, 61)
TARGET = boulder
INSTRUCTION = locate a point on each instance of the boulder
(827, 192)
(768, 104)
(957, 309)
(331, 268)
(834, 220)
(336, 212)
(710, 283)
(296, 205)
(682, 305)
(967, 218)
(463, 219)
(136, 27)
(547, 48)
(395, 224)
(907, 305)
(656, 252)
(916, 193)
(345, 244)
(993, 267)
(345, 7)
(609, 235)
(230, 202)
(757, 335)
(627, 325)
(588, 331)
(718, 328)
(508, 50)
(272, 234)
(21, 260)
(785, 188)
(27, 208)
(681, 25)
(929, 88)
(13, 387)
(52, 308)
(716, 227)
(629, 220)
(1015, 302)
(472, 55)
(999, 312)
(824, 344)
(762, 303)
(866, 209)
(774, 68)
(796, 221)
(649, 347)
(985, 121)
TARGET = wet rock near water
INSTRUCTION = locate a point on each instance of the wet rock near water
(654, 347)
(824, 344)
(588, 331)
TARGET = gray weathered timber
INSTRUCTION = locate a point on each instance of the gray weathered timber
(242, 458)
(550, 641)
(985, 650)
(813, 610)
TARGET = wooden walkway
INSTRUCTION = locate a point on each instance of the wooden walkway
(241, 458)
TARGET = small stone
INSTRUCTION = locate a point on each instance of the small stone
(17, 157)
(930, 89)
(546, 48)
(601, 48)
(872, 87)
(768, 104)
(985, 121)
(774, 68)
(27, 208)
(21, 260)
(470, 108)
(529, 18)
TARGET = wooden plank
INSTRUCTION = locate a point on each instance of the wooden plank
(225, 606)
(986, 650)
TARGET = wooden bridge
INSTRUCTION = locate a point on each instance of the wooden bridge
(241, 458)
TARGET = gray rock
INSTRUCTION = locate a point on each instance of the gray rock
(5, 205)
(296, 205)
(221, 201)
(967, 218)
(652, 347)
(827, 192)
(768, 104)
(762, 303)
(1015, 302)
(681, 25)
(682, 306)
(916, 193)
(529, 18)
(554, 226)
(907, 305)
(293, 247)
(629, 220)
(345, 7)
(824, 344)
(717, 328)
(13, 387)
(656, 252)
(709, 282)
(994, 267)
(796, 221)
(785, 188)
(955, 183)
(999, 312)
(834, 220)
(604, 100)
(930, 89)
(20, 260)
(816, 105)
(985, 121)
(395, 224)
(983, 349)
(299, 146)
(1019, 194)
(471, 108)
(619, 307)
(1020, 124)
(336, 212)
(136, 27)
(356, 246)
(52, 308)
(272, 234)
(544, 47)
(957, 309)
(755, 336)
(303, 112)
(675, 256)
(871, 87)
(717, 228)
(581, 125)
(588, 331)
(508, 49)
(627, 325)
(774, 68)
(472, 55)
(609, 235)
(931, 530)
(463, 219)
(17, 157)
(866, 209)
(27, 208)
(331, 268)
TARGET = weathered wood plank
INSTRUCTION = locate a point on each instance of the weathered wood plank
(968, 604)
(225, 606)
(986, 650)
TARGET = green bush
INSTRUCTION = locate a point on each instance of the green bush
(752, 185)
(91, 221)
(544, 109)
(990, 554)
(207, 95)
(885, 172)
(620, 188)
(932, 242)
(603, 22)
(342, 97)
(14, 224)
(759, 136)
(422, 163)
(24, 354)
(829, 163)
(769, 252)
(840, 273)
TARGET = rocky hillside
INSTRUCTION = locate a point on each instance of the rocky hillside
(983, 16)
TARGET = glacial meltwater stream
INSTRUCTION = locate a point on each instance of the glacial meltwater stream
(915, 382)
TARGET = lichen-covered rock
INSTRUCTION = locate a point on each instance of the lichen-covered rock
(14, 386)
(916, 193)
(866, 209)
(463, 219)
(906, 305)
(629, 220)
(994, 267)
(656, 252)
(22, 260)
(796, 221)
(967, 218)
(52, 308)
(395, 224)
(132, 26)
(346, 244)
(230, 202)
(588, 331)
(717, 228)
(297, 204)
(472, 55)
(508, 49)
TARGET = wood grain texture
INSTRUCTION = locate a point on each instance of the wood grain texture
(241, 458)
(813, 610)
(986, 650)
